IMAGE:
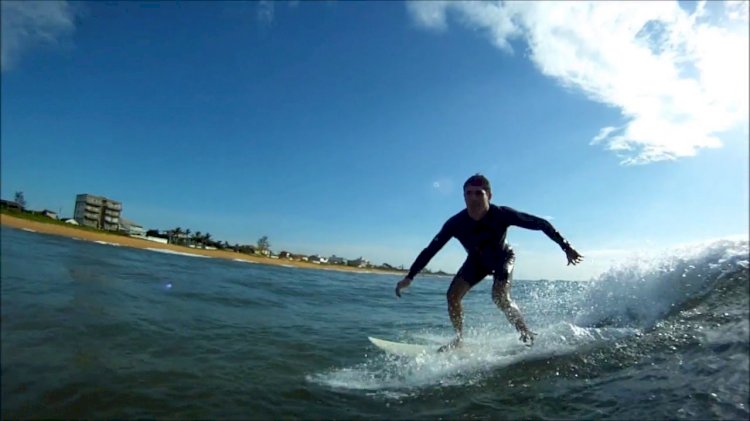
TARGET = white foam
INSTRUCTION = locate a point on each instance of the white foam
(180, 253)
(643, 290)
(640, 292)
(484, 351)
(106, 243)
(28, 229)
(243, 261)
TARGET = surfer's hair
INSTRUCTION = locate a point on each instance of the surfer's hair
(478, 180)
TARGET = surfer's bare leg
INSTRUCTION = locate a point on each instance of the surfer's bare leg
(501, 297)
(459, 287)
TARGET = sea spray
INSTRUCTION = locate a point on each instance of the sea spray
(641, 291)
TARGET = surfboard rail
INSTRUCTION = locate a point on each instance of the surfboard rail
(401, 348)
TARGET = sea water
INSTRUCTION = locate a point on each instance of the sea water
(96, 331)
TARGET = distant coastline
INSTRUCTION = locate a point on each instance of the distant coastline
(122, 240)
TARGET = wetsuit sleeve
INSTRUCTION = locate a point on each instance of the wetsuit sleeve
(431, 250)
(528, 221)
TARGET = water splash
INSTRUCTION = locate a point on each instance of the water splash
(484, 352)
(644, 290)
(622, 303)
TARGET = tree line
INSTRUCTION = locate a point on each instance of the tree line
(189, 238)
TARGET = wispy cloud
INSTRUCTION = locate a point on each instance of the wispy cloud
(266, 12)
(679, 78)
(27, 24)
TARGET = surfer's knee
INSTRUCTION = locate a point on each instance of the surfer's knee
(500, 295)
(453, 296)
(502, 301)
(457, 290)
(454, 302)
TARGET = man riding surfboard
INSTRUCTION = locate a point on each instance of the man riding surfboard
(481, 229)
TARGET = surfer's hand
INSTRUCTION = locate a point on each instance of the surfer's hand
(402, 284)
(573, 256)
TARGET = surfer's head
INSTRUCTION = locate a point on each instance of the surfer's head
(478, 180)
(477, 194)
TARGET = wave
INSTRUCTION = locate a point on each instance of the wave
(629, 313)
(484, 352)
(645, 290)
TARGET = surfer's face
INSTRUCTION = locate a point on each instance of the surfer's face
(476, 198)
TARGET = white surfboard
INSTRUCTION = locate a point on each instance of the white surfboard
(402, 349)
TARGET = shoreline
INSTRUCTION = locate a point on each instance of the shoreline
(132, 242)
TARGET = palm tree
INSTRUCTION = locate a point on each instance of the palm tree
(206, 239)
(177, 232)
(263, 244)
(187, 234)
(20, 199)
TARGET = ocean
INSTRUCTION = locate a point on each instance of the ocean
(99, 331)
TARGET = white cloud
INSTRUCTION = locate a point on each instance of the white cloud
(27, 24)
(738, 10)
(680, 79)
(429, 14)
(266, 12)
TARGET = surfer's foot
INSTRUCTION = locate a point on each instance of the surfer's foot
(451, 346)
(527, 337)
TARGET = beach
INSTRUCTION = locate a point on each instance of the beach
(121, 240)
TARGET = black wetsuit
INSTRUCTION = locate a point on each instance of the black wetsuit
(484, 241)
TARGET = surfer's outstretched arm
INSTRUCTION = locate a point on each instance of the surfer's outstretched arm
(528, 221)
(425, 256)
(573, 256)
(403, 284)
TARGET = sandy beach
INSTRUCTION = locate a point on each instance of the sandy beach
(73, 232)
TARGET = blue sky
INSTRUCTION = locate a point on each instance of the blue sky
(348, 128)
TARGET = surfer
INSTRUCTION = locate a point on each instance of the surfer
(481, 229)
